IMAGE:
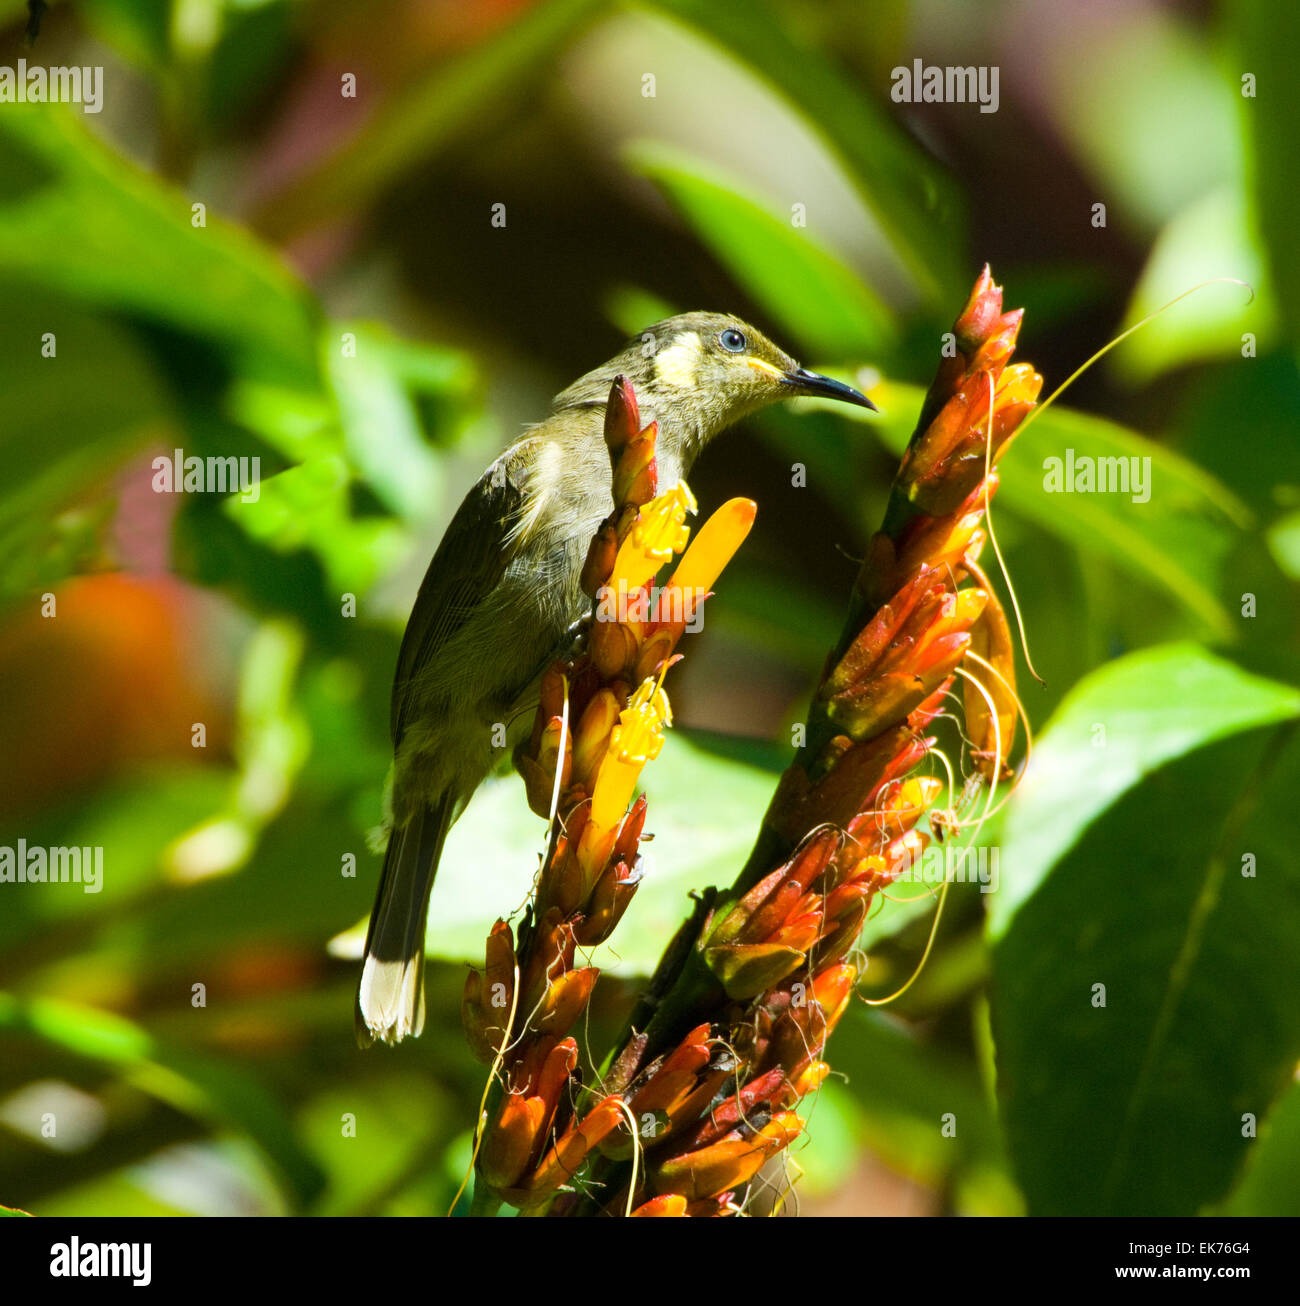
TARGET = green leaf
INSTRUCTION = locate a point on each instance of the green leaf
(1180, 539)
(134, 821)
(288, 897)
(381, 427)
(1149, 66)
(360, 445)
(1270, 1182)
(1153, 706)
(917, 204)
(202, 1087)
(1284, 541)
(798, 282)
(69, 418)
(139, 252)
(1208, 239)
(138, 32)
(632, 308)
(1268, 38)
(1154, 859)
(308, 507)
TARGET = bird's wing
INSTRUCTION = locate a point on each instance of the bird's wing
(471, 559)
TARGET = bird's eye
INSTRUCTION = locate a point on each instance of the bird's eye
(732, 340)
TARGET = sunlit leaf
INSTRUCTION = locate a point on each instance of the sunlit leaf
(703, 812)
(381, 428)
(1270, 1181)
(799, 283)
(916, 203)
(1155, 706)
(1209, 239)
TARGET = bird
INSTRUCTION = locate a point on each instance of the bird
(502, 595)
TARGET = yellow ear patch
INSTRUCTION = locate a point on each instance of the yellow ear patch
(679, 364)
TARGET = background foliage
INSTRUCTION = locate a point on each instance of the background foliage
(328, 217)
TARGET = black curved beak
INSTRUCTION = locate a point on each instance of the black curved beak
(805, 382)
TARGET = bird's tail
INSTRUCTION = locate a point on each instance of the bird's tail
(390, 996)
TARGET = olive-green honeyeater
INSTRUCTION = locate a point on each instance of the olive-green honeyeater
(503, 590)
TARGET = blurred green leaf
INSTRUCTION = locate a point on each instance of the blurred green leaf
(365, 469)
(632, 308)
(768, 608)
(1146, 113)
(405, 1120)
(799, 283)
(201, 1086)
(905, 1088)
(254, 49)
(134, 821)
(308, 508)
(66, 422)
(290, 896)
(1284, 540)
(1262, 397)
(1268, 39)
(141, 32)
(272, 741)
(827, 1153)
(381, 428)
(704, 812)
(1208, 239)
(140, 253)
(1157, 863)
(919, 207)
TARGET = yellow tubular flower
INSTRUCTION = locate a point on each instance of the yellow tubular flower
(714, 546)
(636, 740)
(660, 532)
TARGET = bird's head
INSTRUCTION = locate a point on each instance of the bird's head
(699, 372)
